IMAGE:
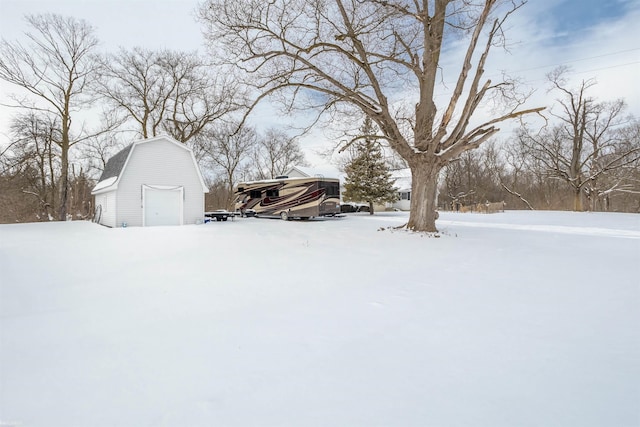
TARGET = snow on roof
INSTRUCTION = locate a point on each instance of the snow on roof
(403, 179)
(113, 169)
(104, 184)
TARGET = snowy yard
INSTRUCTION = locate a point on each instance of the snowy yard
(511, 319)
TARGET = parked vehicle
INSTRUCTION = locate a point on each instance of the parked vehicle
(354, 207)
(218, 215)
(290, 198)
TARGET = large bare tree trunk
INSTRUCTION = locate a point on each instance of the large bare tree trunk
(424, 186)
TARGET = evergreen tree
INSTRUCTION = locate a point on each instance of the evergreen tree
(368, 177)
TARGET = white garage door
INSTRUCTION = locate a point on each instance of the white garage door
(162, 205)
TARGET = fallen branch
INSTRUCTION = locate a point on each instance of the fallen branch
(518, 195)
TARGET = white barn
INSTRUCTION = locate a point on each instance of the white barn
(155, 181)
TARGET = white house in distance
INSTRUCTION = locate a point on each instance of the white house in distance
(154, 181)
(306, 172)
(403, 184)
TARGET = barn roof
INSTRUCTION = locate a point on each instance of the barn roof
(116, 164)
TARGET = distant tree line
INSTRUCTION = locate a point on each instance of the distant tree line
(585, 156)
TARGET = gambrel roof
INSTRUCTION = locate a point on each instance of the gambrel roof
(117, 164)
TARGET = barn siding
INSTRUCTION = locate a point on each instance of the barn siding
(159, 162)
(107, 202)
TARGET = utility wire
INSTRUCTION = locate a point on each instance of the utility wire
(580, 59)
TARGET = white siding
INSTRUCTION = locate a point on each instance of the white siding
(158, 163)
(296, 173)
(403, 205)
(107, 203)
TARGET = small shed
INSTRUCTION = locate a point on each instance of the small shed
(155, 181)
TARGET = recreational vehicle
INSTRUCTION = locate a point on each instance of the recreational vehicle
(289, 198)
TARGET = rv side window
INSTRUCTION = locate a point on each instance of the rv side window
(332, 189)
(273, 192)
(255, 194)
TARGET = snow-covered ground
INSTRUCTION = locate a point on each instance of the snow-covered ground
(511, 319)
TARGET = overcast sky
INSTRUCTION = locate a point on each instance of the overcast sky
(597, 38)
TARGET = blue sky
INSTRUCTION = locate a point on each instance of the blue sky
(572, 15)
(594, 37)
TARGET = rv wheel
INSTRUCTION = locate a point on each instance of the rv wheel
(284, 215)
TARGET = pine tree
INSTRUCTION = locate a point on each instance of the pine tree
(368, 178)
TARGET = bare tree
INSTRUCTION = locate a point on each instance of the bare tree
(345, 56)
(227, 148)
(463, 182)
(14, 206)
(98, 150)
(276, 152)
(54, 68)
(583, 146)
(135, 82)
(218, 195)
(34, 155)
(202, 96)
(617, 171)
(507, 165)
(612, 153)
(169, 91)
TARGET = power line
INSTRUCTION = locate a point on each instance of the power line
(527, 81)
(578, 60)
(607, 68)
